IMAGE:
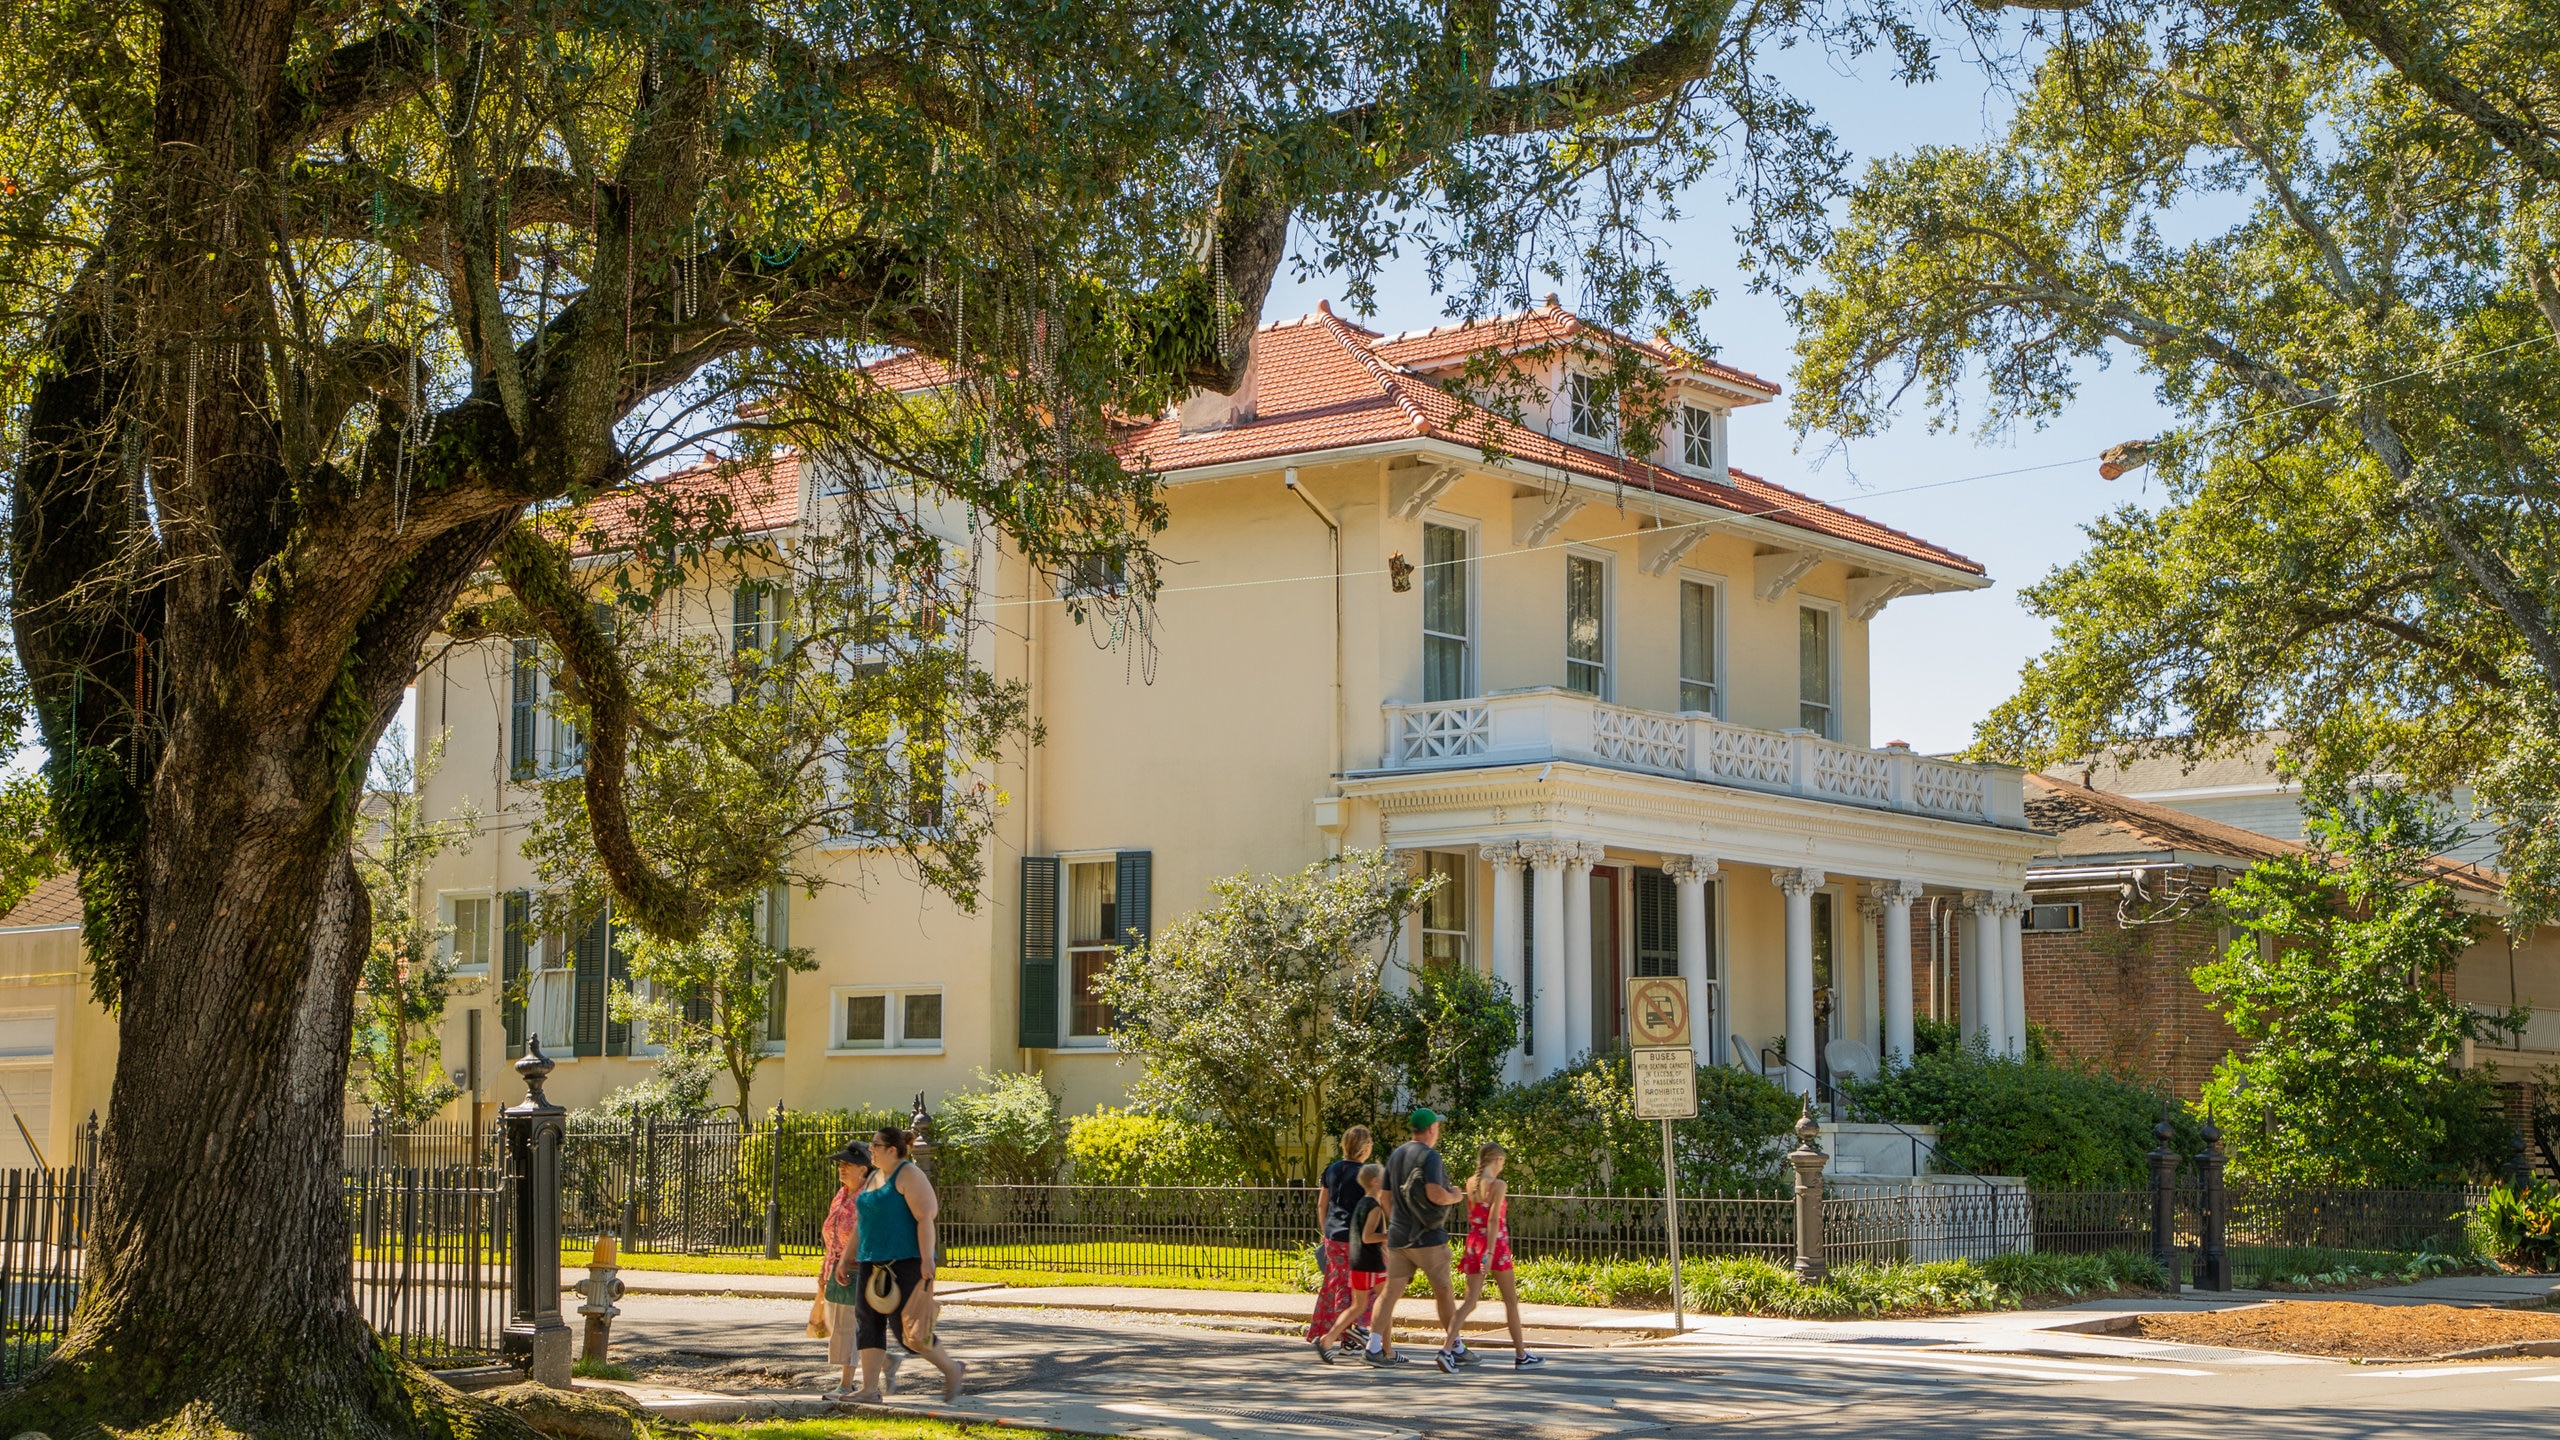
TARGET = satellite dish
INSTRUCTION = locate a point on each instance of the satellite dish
(1851, 1058)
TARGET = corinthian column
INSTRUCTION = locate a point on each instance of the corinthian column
(1689, 876)
(1547, 859)
(1798, 886)
(2013, 972)
(1579, 1004)
(1897, 896)
(1504, 857)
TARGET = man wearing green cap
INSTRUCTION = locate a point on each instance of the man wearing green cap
(1417, 1238)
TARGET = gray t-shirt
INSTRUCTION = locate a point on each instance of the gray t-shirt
(1405, 1229)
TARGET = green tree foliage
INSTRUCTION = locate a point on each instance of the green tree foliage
(1261, 1011)
(408, 969)
(1004, 1131)
(311, 315)
(1576, 1131)
(2057, 1125)
(27, 850)
(1127, 1147)
(2339, 983)
(1448, 1036)
(2338, 264)
(713, 994)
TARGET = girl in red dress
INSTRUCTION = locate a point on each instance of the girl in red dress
(1488, 1253)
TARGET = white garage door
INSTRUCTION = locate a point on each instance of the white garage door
(26, 1085)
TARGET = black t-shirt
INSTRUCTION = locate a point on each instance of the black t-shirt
(1368, 1259)
(1341, 1182)
(1406, 1229)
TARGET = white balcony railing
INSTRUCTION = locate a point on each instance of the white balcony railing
(1549, 724)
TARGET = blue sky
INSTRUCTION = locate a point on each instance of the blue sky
(1939, 663)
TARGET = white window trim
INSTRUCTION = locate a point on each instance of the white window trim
(1610, 439)
(894, 1023)
(1469, 950)
(1723, 589)
(1473, 529)
(1839, 640)
(445, 900)
(1608, 621)
(1067, 1038)
(1675, 452)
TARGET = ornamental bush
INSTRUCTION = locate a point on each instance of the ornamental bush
(1007, 1131)
(1576, 1131)
(2057, 1125)
(1124, 1147)
(2519, 1229)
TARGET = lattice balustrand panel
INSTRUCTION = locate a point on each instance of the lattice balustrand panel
(1751, 757)
(1950, 789)
(1635, 737)
(1853, 774)
(1444, 732)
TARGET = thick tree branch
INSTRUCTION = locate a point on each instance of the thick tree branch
(351, 85)
(2534, 144)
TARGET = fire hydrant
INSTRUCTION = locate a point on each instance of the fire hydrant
(602, 1287)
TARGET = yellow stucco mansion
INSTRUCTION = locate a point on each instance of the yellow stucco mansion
(1620, 701)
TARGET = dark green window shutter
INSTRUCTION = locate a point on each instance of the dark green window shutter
(520, 713)
(777, 934)
(746, 627)
(1528, 995)
(697, 1008)
(1657, 924)
(511, 968)
(1132, 893)
(617, 971)
(1039, 1022)
(593, 944)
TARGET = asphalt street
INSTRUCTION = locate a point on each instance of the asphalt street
(1155, 1376)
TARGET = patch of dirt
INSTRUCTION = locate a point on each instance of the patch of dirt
(2348, 1330)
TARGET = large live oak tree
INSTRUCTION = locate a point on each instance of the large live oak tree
(2327, 230)
(317, 313)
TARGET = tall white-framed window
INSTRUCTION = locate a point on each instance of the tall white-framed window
(1817, 671)
(1093, 944)
(551, 992)
(1697, 440)
(1448, 614)
(1587, 408)
(873, 1018)
(1701, 646)
(1445, 912)
(1586, 624)
(542, 742)
(470, 928)
(773, 927)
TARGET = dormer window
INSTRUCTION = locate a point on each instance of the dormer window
(1698, 438)
(1586, 409)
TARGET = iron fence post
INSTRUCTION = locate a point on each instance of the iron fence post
(630, 1183)
(918, 1125)
(773, 1187)
(1807, 1161)
(2164, 1200)
(536, 1337)
(2213, 1267)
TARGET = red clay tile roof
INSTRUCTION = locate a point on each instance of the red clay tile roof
(54, 901)
(1549, 324)
(761, 499)
(1323, 383)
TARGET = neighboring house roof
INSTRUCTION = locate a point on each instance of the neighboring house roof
(761, 498)
(54, 901)
(1322, 383)
(2130, 771)
(2095, 827)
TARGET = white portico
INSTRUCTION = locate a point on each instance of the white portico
(1598, 841)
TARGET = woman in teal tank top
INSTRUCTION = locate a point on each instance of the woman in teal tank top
(893, 1248)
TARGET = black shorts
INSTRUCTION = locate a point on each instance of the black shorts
(872, 1328)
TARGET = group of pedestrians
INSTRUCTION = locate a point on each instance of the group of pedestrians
(1385, 1224)
(877, 1275)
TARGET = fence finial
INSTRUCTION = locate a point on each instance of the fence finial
(535, 1067)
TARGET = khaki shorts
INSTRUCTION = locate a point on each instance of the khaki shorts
(841, 1320)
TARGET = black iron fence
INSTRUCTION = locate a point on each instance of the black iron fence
(431, 1259)
(430, 1253)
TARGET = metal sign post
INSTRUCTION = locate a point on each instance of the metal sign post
(1664, 1068)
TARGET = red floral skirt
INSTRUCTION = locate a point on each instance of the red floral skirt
(1335, 1297)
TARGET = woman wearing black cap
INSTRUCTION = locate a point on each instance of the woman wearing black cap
(839, 1288)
